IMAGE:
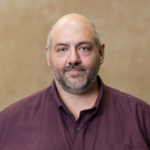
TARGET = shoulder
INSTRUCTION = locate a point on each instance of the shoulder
(31, 100)
(124, 98)
(133, 112)
(25, 108)
(126, 104)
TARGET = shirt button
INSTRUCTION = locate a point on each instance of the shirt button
(78, 129)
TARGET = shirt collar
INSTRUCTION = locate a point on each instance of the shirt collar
(60, 103)
(101, 87)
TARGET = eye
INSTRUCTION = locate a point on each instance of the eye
(84, 48)
(61, 50)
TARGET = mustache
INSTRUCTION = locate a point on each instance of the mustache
(76, 67)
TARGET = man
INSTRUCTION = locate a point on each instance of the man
(77, 112)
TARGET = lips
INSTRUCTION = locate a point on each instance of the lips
(74, 71)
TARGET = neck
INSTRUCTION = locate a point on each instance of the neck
(75, 103)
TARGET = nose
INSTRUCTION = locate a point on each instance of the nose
(74, 57)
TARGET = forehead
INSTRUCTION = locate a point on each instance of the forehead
(72, 32)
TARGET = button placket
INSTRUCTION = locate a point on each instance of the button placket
(78, 135)
(78, 141)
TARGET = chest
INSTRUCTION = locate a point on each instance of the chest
(61, 132)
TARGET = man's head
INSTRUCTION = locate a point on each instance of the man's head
(74, 54)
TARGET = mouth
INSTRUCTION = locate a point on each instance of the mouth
(74, 71)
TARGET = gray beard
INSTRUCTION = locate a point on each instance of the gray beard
(76, 87)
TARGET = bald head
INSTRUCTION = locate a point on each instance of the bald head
(73, 22)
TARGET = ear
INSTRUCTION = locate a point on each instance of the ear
(101, 52)
(48, 55)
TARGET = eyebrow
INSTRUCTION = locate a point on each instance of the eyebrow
(80, 43)
(84, 42)
(61, 44)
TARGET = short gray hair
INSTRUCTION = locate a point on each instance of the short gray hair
(97, 37)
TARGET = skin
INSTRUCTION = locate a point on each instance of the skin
(73, 43)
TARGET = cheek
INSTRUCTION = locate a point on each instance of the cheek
(56, 64)
(91, 61)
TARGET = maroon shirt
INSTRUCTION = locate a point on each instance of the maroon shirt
(117, 121)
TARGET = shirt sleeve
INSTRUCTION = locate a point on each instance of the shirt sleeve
(5, 116)
(146, 122)
(1, 128)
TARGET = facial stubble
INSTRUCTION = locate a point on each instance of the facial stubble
(87, 76)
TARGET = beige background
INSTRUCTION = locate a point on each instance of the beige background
(24, 24)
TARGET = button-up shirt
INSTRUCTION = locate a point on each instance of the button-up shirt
(117, 121)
